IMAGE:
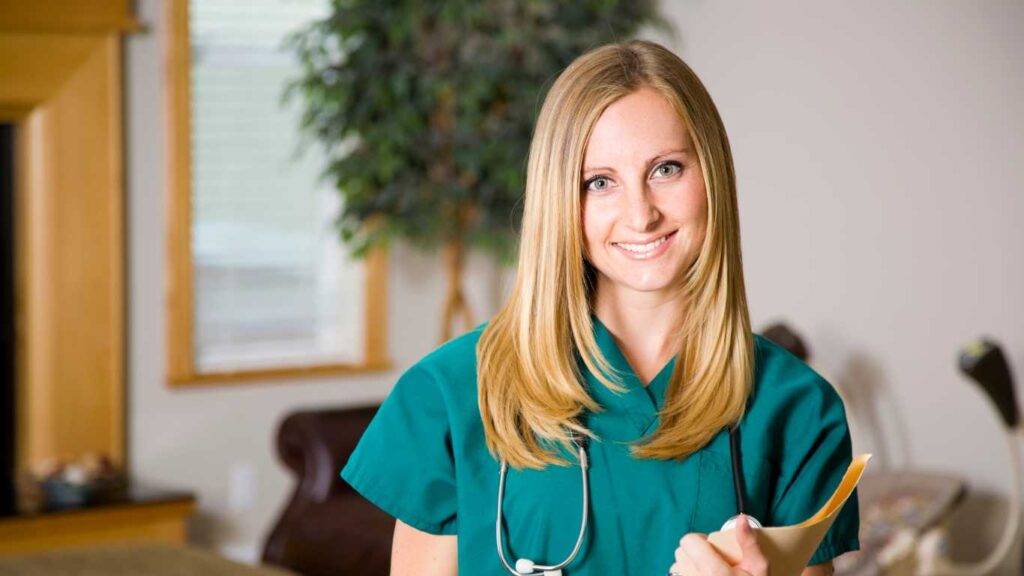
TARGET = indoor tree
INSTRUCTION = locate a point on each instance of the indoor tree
(426, 108)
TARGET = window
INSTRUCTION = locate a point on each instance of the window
(259, 282)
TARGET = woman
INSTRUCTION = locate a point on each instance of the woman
(627, 329)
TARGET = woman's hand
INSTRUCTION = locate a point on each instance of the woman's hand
(695, 556)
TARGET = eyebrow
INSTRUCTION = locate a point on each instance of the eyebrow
(649, 162)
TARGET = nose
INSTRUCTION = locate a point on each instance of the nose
(641, 213)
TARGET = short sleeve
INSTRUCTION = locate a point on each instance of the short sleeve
(404, 462)
(816, 451)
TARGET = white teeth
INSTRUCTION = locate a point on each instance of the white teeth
(643, 248)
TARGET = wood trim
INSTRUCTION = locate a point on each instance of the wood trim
(34, 79)
(181, 365)
(68, 17)
(178, 129)
(30, 352)
(162, 522)
(118, 296)
(283, 373)
(13, 113)
(64, 94)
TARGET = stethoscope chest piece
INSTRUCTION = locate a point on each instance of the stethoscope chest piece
(731, 522)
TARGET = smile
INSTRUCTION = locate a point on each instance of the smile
(649, 250)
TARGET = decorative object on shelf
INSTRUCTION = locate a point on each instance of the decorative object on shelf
(426, 110)
(89, 479)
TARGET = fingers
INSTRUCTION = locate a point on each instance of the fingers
(695, 548)
(744, 534)
(695, 556)
(684, 565)
(753, 561)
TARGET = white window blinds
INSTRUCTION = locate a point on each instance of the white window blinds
(273, 285)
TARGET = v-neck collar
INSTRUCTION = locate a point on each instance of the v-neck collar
(634, 413)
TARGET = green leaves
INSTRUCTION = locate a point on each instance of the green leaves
(374, 80)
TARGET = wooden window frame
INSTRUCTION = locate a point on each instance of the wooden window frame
(181, 367)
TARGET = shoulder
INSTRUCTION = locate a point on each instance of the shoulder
(439, 387)
(452, 365)
(786, 386)
(800, 430)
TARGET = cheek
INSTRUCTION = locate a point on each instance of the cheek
(595, 223)
(697, 211)
(689, 205)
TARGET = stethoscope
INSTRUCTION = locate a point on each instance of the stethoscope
(525, 566)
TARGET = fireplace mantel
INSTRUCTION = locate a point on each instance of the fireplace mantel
(60, 85)
(67, 16)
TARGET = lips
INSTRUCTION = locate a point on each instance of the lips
(640, 248)
(649, 249)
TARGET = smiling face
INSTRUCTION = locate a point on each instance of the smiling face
(643, 198)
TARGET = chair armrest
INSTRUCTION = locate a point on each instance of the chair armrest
(326, 527)
(316, 444)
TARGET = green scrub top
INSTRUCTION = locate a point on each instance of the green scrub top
(422, 459)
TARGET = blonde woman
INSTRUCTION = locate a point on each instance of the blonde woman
(590, 427)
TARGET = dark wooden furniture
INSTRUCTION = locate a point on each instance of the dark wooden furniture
(327, 528)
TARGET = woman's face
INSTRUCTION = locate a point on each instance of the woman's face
(644, 203)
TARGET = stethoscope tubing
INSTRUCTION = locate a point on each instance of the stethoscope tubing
(584, 466)
(738, 485)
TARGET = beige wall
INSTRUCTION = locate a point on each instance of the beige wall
(878, 153)
(878, 149)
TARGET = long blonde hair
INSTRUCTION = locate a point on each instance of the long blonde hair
(529, 382)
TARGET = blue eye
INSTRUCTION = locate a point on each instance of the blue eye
(670, 164)
(586, 185)
(677, 165)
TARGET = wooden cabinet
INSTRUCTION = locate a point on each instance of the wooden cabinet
(138, 515)
(61, 88)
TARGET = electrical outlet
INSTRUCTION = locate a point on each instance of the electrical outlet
(242, 487)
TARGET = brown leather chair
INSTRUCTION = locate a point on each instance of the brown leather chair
(327, 528)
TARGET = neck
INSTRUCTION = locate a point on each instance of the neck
(644, 323)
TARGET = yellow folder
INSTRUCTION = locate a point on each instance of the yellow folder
(788, 548)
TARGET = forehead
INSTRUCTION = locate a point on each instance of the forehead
(634, 128)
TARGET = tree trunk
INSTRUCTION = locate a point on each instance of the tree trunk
(455, 300)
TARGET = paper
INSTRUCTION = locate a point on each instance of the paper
(788, 548)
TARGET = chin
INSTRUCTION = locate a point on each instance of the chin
(641, 275)
(655, 281)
